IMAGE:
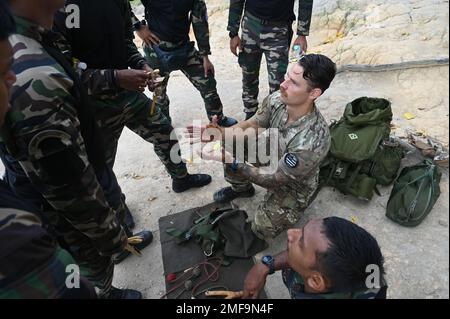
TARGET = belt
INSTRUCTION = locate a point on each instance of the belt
(273, 23)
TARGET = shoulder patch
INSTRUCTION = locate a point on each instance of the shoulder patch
(291, 160)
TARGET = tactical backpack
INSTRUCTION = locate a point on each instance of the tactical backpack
(362, 155)
(414, 194)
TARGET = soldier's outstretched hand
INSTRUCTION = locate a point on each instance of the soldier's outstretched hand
(205, 134)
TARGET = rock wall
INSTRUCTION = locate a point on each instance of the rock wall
(367, 32)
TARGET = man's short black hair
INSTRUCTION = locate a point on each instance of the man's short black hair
(351, 250)
(7, 24)
(318, 70)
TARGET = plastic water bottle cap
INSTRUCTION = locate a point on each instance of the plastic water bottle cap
(82, 66)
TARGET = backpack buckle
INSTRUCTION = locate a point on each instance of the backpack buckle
(341, 171)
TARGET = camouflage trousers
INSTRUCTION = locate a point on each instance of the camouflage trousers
(275, 214)
(258, 39)
(195, 72)
(98, 269)
(133, 110)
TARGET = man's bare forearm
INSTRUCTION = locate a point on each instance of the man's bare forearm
(281, 261)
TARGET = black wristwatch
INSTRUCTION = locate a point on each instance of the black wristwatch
(269, 261)
(233, 34)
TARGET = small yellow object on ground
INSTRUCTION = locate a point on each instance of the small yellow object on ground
(409, 116)
(217, 146)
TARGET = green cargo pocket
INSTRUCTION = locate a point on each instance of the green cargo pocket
(363, 187)
(388, 159)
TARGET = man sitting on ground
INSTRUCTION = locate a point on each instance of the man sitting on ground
(329, 258)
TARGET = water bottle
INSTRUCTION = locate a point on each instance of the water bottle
(297, 54)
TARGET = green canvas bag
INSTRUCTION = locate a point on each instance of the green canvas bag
(362, 155)
(414, 194)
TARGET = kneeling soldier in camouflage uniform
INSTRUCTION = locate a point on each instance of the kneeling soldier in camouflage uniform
(326, 259)
(53, 151)
(266, 29)
(303, 142)
(116, 91)
(166, 36)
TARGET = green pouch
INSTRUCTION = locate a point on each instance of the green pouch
(414, 194)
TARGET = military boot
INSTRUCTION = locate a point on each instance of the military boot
(227, 194)
(147, 238)
(226, 121)
(117, 293)
(180, 185)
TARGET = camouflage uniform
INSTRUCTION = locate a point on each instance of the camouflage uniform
(194, 69)
(31, 264)
(43, 137)
(132, 109)
(296, 286)
(264, 37)
(309, 140)
(115, 108)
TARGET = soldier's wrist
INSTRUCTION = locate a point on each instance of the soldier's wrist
(113, 74)
(233, 34)
(138, 25)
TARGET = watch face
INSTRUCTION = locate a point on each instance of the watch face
(267, 259)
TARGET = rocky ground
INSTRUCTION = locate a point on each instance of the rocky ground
(350, 32)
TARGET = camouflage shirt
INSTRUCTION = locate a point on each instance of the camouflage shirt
(171, 19)
(302, 145)
(85, 46)
(44, 138)
(296, 286)
(31, 264)
(303, 16)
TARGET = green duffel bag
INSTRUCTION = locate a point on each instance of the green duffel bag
(414, 194)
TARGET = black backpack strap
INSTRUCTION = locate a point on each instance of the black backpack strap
(90, 132)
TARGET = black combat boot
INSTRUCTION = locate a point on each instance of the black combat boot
(147, 238)
(117, 293)
(180, 185)
(226, 121)
(227, 194)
